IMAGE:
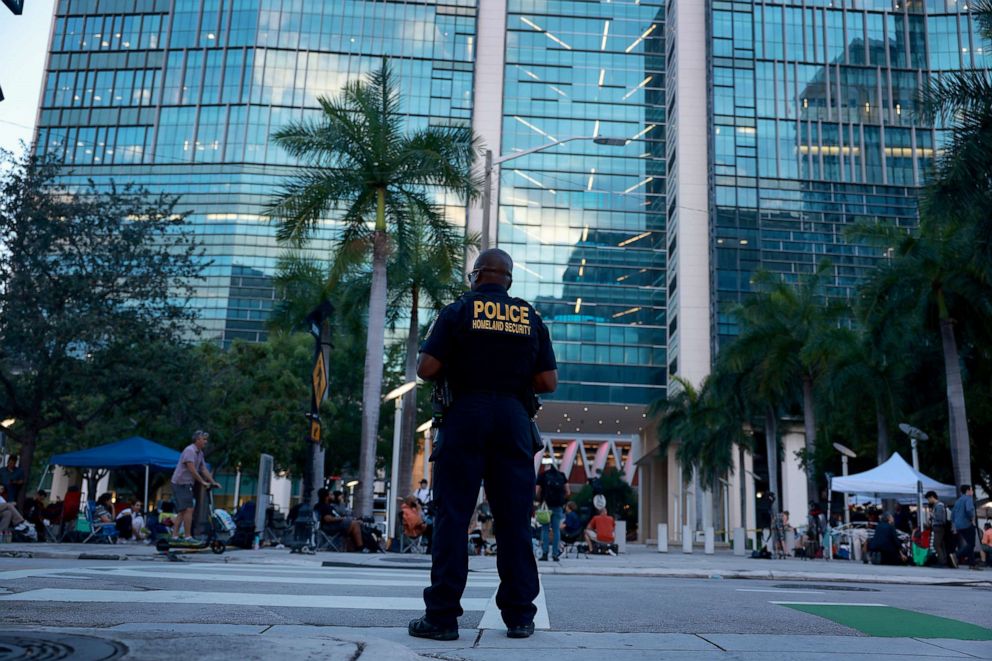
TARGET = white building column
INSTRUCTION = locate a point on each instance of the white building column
(688, 187)
(793, 476)
(487, 100)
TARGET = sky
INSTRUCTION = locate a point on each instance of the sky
(25, 44)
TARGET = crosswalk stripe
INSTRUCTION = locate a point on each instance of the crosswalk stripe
(389, 581)
(231, 599)
(316, 571)
(15, 574)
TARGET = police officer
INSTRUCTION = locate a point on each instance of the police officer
(494, 351)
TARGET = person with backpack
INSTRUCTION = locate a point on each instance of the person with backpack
(552, 492)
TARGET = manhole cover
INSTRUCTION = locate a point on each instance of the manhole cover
(51, 646)
(837, 588)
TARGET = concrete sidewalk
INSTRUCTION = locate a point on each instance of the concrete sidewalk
(637, 561)
(222, 642)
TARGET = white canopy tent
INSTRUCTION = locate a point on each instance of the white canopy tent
(892, 479)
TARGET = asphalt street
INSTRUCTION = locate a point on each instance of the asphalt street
(136, 595)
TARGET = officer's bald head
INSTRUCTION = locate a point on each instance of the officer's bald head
(493, 266)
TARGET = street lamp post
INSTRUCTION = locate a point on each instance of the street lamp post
(491, 163)
(916, 435)
(393, 501)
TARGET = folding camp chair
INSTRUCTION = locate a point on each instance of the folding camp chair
(99, 531)
(326, 541)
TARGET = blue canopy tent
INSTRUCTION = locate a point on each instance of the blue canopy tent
(134, 452)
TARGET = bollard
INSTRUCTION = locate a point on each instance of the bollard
(620, 535)
(662, 538)
(739, 536)
(687, 539)
(709, 540)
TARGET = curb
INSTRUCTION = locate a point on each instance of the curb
(715, 574)
(767, 575)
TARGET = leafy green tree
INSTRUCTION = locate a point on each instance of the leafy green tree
(89, 280)
(360, 165)
(621, 499)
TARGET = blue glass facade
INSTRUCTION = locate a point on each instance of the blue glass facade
(182, 96)
(810, 120)
(585, 222)
(813, 128)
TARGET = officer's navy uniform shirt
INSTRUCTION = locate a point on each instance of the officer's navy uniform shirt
(488, 341)
(490, 346)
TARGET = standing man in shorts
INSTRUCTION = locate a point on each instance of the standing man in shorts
(190, 470)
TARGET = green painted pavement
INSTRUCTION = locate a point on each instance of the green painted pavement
(888, 622)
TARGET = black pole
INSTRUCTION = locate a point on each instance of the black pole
(319, 324)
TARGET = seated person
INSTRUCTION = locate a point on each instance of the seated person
(571, 525)
(130, 522)
(600, 529)
(886, 542)
(35, 511)
(103, 512)
(986, 549)
(10, 518)
(334, 520)
(413, 520)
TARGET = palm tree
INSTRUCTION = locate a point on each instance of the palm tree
(767, 378)
(681, 418)
(962, 100)
(931, 277)
(359, 165)
(789, 334)
(427, 271)
(706, 424)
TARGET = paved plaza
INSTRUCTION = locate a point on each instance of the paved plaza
(641, 605)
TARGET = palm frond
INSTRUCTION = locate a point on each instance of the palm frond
(942, 98)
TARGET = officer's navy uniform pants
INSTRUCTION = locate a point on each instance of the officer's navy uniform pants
(484, 436)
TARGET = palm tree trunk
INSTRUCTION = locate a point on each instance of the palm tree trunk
(374, 354)
(771, 451)
(809, 424)
(882, 427)
(404, 481)
(958, 418)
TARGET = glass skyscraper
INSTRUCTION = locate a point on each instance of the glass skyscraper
(182, 96)
(757, 131)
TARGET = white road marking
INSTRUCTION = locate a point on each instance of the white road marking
(231, 599)
(779, 590)
(14, 574)
(321, 571)
(823, 603)
(491, 618)
(388, 581)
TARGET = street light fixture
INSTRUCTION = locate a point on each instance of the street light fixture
(399, 391)
(916, 435)
(845, 452)
(487, 183)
